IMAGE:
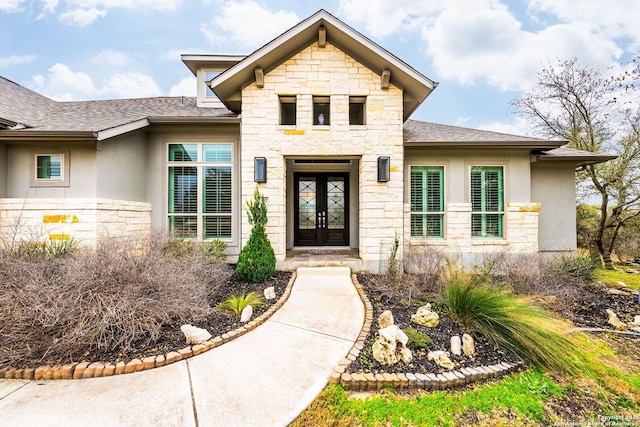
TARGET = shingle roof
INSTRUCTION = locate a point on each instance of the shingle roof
(39, 113)
(564, 154)
(433, 133)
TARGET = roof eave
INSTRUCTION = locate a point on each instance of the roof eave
(574, 160)
(531, 145)
(31, 135)
(416, 87)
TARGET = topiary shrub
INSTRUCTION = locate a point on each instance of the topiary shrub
(257, 260)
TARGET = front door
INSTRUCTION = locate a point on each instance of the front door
(321, 209)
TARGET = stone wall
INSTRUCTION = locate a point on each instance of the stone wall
(520, 231)
(329, 72)
(85, 220)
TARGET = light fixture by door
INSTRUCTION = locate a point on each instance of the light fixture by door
(260, 169)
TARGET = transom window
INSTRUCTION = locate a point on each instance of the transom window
(200, 190)
(487, 201)
(49, 167)
(427, 201)
(356, 110)
(321, 110)
(287, 110)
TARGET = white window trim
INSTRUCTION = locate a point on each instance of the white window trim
(64, 172)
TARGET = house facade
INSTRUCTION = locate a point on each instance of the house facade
(318, 120)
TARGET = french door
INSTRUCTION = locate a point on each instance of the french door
(321, 209)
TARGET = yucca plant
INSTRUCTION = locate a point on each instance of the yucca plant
(237, 303)
(512, 323)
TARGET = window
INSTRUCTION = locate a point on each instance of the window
(487, 201)
(427, 201)
(208, 76)
(200, 190)
(321, 110)
(356, 110)
(49, 167)
(287, 110)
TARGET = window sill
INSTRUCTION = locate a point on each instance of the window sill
(321, 127)
(488, 241)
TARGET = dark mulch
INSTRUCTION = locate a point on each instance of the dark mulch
(585, 307)
(217, 323)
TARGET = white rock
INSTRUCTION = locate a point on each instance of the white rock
(426, 317)
(618, 292)
(384, 351)
(636, 320)
(456, 345)
(195, 335)
(468, 345)
(394, 333)
(246, 314)
(385, 319)
(616, 285)
(405, 355)
(441, 358)
(390, 347)
(614, 321)
(269, 293)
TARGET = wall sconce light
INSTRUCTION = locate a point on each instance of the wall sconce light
(384, 169)
(260, 169)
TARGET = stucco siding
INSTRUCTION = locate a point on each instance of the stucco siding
(554, 187)
(121, 168)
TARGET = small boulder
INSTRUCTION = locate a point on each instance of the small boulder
(468, 345)
(195, 335)
(456, 345)
(441, 358)
(614, 321)
(618, 292)
(246, 314)
(386, 319)
(390, 347)
(269, 293)
(405, 355)
(636, 320)
(426, 317)
(616, 285)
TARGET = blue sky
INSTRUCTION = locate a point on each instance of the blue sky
(484, 53)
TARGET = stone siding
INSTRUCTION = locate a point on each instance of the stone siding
(85, 220)
(326, 72)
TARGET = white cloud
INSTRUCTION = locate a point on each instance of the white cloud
(248, 24)
(482, 41)
(82, 17)
(63, 84)
(110, 58)
(131, 85)
(129, 4)
(8, 61)
(186, 87)
(10, 5)
(519, 126)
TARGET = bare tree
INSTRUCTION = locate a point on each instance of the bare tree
(578, 104)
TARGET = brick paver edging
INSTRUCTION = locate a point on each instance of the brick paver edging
(370, 382)
(81, 370)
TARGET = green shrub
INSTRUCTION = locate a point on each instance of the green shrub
(177, 247)
(54, 248)
(257, 260)
(417, 339)
(214, 249)
(512, 323)
(237, 303)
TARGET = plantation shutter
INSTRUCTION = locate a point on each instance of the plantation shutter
(487, 201)
(427, 201)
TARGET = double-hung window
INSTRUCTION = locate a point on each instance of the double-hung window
(487, 201)
(200, 190)
(427, 201)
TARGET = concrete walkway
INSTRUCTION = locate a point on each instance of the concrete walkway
(263, 378)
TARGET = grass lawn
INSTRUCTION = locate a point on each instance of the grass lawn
(630, 279)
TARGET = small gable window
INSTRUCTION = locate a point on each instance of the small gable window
(208, 76)
(321, 110)
(356, 110)
(287, 110)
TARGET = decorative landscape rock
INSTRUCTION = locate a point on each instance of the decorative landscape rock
(386, 319)
(246, 314)
(390, 347)
(269, 293)
(426, 317)
(614, 321)
(441, 358)
(468, 345)
(618, 292)
(616, 285)
(456, 345)
(195, 335)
